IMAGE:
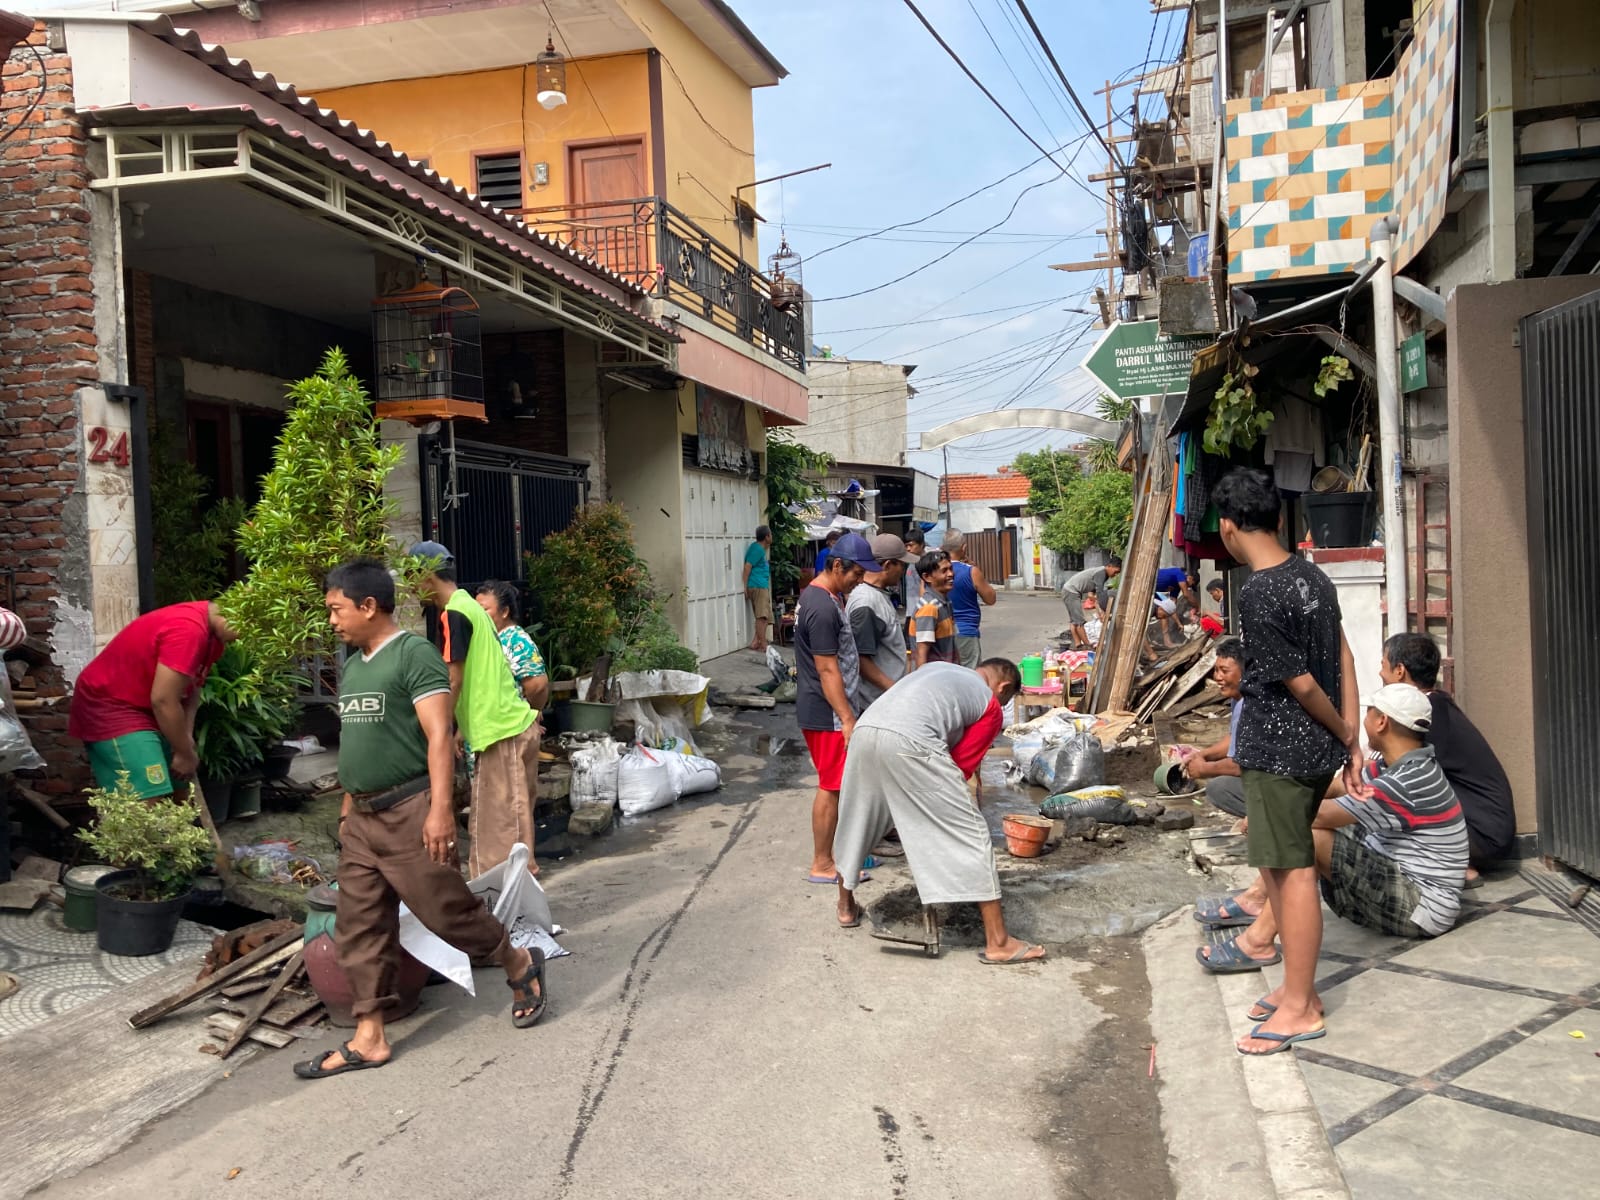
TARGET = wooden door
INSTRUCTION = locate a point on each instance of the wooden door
(615, 233)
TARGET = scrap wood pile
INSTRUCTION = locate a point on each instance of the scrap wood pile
(254, 979)
(1177, 684)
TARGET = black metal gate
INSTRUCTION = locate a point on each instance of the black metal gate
(494, 505)
(1561, 397)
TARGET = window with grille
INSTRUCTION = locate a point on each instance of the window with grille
(499, 179)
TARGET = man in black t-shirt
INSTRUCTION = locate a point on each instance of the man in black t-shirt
(827, 672)
(1475, 774)
(1300, 724)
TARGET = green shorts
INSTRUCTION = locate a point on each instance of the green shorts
(1281, 809)
(143, 755)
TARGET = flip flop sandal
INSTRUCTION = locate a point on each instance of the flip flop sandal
(1282, 1041)
(312, 1068)
(829, 880)
(1213, 912)
(1021, 956)
(854, 922)
(1265, 1014)
(1226, 958)
(534, 974)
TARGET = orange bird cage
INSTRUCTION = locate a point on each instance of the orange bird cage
(428, 349)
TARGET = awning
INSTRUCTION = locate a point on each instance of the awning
(1262, 340)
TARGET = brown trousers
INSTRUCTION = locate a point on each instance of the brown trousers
(502, 806)
(382, 863)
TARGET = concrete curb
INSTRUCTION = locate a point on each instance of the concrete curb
(1235, 1129)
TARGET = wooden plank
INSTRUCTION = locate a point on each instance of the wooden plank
(248, 987)
(260, 1005)
(227, 1023)
(1130, 615)
(1210, 694)
(287, 1011)
(262, 957)
(1192, 676)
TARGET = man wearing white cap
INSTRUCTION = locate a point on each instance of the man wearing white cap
(1397, 859)
(880, 638)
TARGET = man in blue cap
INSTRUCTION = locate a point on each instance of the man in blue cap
(828, 672)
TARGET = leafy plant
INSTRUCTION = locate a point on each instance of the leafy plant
(322, 503)
(1102, 453)
(158, 839)
(1098, 512)
(791, 468)
(596, 596)
(1050, 475)
(1334, 371)
(242, 711)
(191, 543)
(1235, 418)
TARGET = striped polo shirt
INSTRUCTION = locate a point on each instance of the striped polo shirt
(1414, 820)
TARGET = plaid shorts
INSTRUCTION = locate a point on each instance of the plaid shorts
(1370, 890)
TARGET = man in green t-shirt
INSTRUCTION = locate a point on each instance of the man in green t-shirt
(492, 717)
(758, 584)
(398, 826)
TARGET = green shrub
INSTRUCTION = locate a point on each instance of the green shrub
(191, 544)
(157, 839)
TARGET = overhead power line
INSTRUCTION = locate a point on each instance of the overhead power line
(1022, 7)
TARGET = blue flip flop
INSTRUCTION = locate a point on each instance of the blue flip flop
(1267, 1011)
(1283, 1041)
(1227, 958)
(1214, 913)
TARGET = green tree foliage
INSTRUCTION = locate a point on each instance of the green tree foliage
(790, 471)
(1102, 454)
(157, 839)
(321, 504)
(1098, 512)
(1050, 475)
(191, 542)
(596, 596)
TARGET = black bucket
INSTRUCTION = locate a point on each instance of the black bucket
(134, 928)
(1340, 519)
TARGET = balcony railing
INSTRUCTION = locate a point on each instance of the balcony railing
(658, 247)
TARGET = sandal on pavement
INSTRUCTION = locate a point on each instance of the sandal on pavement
(1222, 912)
(1282, 1041)
(1228, 958)
(1024, 955)
(834, 879)
(312, 1068)
(1265, 1013)
(533, 1006)
(855, 916)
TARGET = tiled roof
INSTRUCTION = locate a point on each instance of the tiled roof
(1008, 485)
(241, 71)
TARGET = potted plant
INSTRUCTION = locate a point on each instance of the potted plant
(159, 849)
(242, 712)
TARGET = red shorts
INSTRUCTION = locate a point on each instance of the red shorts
(827, 755)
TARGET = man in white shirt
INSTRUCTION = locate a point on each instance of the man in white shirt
(879, 631)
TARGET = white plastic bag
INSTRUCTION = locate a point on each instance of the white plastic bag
(594, 772)
(518, 903)
(1025, 747)
(644, 782)
(690, 773)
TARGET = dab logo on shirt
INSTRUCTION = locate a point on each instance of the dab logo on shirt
(362, 707)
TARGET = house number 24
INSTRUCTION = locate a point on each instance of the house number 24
(108, 448)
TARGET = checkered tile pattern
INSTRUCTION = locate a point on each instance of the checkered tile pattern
(1424, 92)
(1308, 174)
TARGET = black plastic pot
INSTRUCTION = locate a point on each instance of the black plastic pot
(1340, 519)
(134, 928)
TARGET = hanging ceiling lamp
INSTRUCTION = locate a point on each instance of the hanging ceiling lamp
(550, 73)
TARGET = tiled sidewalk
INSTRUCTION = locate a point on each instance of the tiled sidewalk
(1450, 1067)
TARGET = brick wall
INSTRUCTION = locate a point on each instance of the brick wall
(47, 352)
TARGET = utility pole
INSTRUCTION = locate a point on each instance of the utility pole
(1390, 480)
(944, 486)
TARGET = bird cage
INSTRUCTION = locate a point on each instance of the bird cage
(428, 355)
(783, 273)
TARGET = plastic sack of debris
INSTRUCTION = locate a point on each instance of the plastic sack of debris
(594, 772)
(690, 773)
(1025, 748)
(1077, 761)
(16, 751)
(277, 862)
(644, 781)
(518, 903)
(661, 723)
(787, 692)
(1108, 805)
(782, 672)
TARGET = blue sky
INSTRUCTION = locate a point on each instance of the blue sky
(907, 132)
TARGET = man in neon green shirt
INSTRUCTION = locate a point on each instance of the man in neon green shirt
(492, 717)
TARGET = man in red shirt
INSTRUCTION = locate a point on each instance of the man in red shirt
(133, 706)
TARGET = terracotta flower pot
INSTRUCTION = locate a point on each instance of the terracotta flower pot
(1025, 834)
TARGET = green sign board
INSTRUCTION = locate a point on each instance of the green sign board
(1133, 359)
(1414, 363)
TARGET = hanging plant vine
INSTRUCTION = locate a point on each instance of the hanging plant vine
(1236, 418)
(1335, 370)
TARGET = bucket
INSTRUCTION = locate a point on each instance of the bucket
(78, 910)
(246, 799)
(588, 717)
(1171, 781)
(1340, 519)
(1025, 834)
(1032, 669)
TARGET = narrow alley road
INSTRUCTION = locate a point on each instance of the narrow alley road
(712, 1034)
